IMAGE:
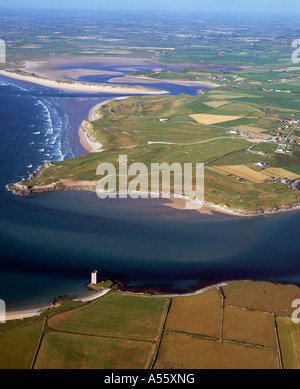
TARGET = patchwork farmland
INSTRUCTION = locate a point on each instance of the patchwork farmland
(238, 325)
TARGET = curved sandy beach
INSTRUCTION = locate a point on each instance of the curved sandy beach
(81, 87)
(90, 144)
(22, 314)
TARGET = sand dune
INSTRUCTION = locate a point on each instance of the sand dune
(81, 87)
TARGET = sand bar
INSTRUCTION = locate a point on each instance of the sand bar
(149, 80)
(53, 67)
(81, 87)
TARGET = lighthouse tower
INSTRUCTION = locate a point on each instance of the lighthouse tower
(94, 277)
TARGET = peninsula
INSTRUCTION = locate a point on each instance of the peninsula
(249, 169)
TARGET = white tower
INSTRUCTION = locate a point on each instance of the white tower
(94, 278)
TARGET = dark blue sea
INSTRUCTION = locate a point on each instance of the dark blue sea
(50, 243)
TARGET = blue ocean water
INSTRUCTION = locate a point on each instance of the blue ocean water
(50, 243)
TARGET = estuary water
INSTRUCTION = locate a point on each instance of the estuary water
(50, 243)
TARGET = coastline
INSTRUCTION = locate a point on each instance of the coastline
(22, 314)
(81, 87)
(207, 207)
(90, 186)
(91, 145)
(122, 288)
(25, 313)
(86, 140)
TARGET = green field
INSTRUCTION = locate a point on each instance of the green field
(69, 351)
(240, 325)
(116, 315)
(289, 336)
(19, 345)
(167, 39)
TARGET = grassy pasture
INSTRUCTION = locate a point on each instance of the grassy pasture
(178, 351)
(236, 122)
(262, 296)
(122, 333)
(239, 108)
(117, 315)
(293, 169)
(238, 158)
(199, 314)
(74, 351)
(223, 95)
(216, 104)
(249, 327)
(251, 128)
(18, 347)
(289, 339)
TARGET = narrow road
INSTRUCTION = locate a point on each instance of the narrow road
(192, 143)
(291, 132)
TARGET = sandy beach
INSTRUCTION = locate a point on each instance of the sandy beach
(180, 204)
(86, 140)
(81, 87)
(17, 315)
(23, 314)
